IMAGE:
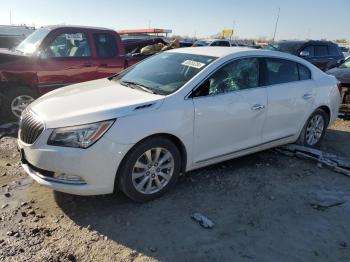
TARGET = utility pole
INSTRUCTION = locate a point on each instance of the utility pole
(10, 18)
(149, 24)
(278, 17)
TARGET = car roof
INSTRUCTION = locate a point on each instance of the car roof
(52, 27)
(217, 51)
(301, 42)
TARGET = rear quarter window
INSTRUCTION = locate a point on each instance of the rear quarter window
(304, 72)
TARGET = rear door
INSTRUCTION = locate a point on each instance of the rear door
(64, 60)
(229, 110)
(109, 57)
(290, 91)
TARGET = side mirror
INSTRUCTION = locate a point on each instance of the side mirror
(304, 53)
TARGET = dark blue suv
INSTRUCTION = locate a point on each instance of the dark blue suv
(323, 54)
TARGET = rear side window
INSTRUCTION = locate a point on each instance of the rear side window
(333, 50)
(304, 72)
(279, 71)
(321, 50)
(106, 45)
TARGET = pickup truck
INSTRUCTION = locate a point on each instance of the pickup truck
(53, 57)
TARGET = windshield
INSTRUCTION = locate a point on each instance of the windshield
(166, 72)
(287, 47)
(201, 43)
(31, 43)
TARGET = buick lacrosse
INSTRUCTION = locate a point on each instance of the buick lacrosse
(176, 111)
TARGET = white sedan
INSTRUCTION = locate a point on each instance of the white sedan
(174, 112)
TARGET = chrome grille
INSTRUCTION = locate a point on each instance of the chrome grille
(30, 127)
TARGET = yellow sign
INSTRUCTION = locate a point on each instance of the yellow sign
(227, 32)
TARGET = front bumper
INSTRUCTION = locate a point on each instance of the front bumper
(96, 165)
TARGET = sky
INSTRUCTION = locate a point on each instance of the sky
(299, 19)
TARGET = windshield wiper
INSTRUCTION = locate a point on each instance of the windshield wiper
(139, 86)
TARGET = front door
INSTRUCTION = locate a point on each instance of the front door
(230, 109)
(66, 60)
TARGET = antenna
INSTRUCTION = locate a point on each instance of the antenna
(278, 17)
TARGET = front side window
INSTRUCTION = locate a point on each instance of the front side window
(105, 45)
(333, 50)
(321, 50)
(164, 73)
(237, 75)
(69, 45)
(281, 71)
(310, 49)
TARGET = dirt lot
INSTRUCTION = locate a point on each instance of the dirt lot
(262, 207)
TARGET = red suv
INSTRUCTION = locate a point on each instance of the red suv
(52, 57)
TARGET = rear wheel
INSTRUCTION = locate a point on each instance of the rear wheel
(314, 129)
(150, 169)
(15, 100)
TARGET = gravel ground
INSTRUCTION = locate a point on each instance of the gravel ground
(266, 207)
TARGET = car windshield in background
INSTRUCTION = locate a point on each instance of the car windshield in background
(31, 43)
(288, 47)
(164, 73)
(202, 43)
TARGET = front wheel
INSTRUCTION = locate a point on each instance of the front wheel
(15, 100)
(314, 129)
(150, 169)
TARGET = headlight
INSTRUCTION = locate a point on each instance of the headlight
(79, 136)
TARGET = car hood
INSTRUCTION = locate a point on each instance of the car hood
(92, 101)
(342, 74)
(7, 55)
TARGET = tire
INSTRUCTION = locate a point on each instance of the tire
(14, 100)
(131, 176)
(312, 137)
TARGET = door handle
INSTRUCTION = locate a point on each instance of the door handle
(307, 96)
(257, 107)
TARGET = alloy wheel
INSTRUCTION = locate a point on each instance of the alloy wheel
(315, 129)
(153, 170)
(20, 103)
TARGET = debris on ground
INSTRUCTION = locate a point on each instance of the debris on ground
(202, 220)
(338, 164)
(321, 207)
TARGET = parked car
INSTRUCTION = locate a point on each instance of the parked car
(323, 54)
(342, 73)
(213, 42)
(176, 111)
(55, 56)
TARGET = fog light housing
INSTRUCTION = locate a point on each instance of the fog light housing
(69, 178)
